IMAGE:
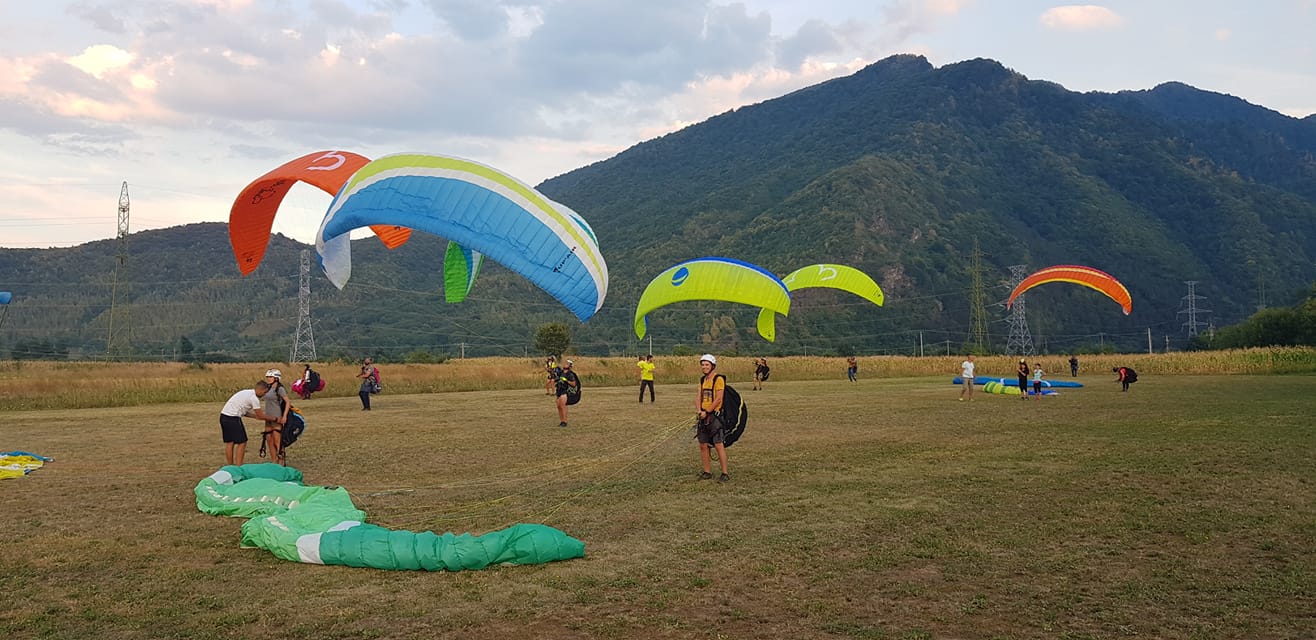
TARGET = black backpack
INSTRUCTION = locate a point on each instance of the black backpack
(734, 414)
(1130, 375)
(314, 381)
(292, 429)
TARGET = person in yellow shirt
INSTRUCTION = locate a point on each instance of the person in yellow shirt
(708, 425)
(646, 375)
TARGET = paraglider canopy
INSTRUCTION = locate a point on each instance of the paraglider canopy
(477, 206)
(713, 278)
(1076, 274)
(5, 297)
(252, 216)
(831, 276)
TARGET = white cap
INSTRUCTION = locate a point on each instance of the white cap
(274, 373)
(712, 359)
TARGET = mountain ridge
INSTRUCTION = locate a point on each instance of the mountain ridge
(898, 169)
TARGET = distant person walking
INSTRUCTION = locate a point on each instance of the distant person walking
(568, 391)
(369, 382)
(551, 368)
(761, 371)
(1126, 376)
(243, 404)
(708, 418)
(852, 369)
(1022, 373)
(1073, 366)
(1037, 381)
(966, 378)
(646, 376)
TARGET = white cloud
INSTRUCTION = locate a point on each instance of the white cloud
(1080, 17)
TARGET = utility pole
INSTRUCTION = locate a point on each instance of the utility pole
(1190, 301)
(118, 338)
(303, 344)
(977, 342)
(1149, 345)
(1020, 340)
(920, 344)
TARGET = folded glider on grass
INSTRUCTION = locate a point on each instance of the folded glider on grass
(321, 525)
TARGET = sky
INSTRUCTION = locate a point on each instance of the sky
(190, 100)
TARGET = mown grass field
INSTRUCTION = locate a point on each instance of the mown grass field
(1185, 508)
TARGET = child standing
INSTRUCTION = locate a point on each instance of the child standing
(1037, 381)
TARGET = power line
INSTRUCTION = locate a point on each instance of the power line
(118, 340)
(1020, 340)
(977, 340)
(303, 344)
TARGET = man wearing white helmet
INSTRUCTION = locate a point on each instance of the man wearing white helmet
(276, 406)
(708, 426)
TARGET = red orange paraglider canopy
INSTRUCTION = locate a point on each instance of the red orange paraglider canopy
(252, 216)
(1076, 274)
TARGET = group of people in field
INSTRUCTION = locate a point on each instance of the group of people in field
(1124, 375)
(268, 401)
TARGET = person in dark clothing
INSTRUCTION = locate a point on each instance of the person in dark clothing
(568, 392)
(1126, 377)
(1022, 372)
(369, 382)
(1073, 366)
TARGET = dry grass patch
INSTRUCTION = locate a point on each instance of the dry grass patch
(883, 509)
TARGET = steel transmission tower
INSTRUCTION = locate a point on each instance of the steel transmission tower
(118, 339)
(303, 345)
(1020, 340)
(1190, 301)
(977, 342)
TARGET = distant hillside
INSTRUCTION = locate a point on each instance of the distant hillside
(897, 170)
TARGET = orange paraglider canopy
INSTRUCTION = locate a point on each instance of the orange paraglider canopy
(1076, 274)
(252, 216)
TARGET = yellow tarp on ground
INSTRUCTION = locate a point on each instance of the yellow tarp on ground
(16, 464)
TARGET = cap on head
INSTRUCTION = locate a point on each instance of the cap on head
(709, 358)
(569, 363)
(274, 373)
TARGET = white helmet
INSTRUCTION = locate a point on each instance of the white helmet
(274, 373)
(710, 358)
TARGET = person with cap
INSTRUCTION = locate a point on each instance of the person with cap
(243, 404)
(708, 424)
(568, 391)
(1022, 372)
(276, 408)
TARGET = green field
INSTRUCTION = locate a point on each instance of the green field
(1185, 508)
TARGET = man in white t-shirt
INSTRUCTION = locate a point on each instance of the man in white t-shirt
(966, 378)
(245, 403)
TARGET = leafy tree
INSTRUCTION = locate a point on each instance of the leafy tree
(553, 338)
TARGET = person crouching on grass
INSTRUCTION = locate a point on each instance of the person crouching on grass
(708, 425)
